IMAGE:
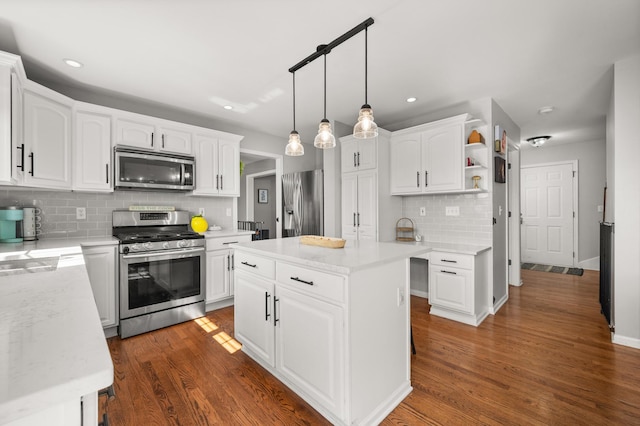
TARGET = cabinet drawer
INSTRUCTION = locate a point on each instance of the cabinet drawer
(220, 243)
(312, 282)
(452, 260)
(255, 264)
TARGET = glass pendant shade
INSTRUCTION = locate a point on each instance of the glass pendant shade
(294, 147)
(324, 139)
(365, 128)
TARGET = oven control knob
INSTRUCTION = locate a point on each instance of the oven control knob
(125, 250)
(166, 245)
(183, 243)
(148, 245)
(135, 247)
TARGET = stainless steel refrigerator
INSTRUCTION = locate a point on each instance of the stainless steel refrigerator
(303, 203)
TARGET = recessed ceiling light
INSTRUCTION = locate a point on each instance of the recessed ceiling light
(546, 110)
(227, 107)
(538, 140)
(411, 99)
(73, 63)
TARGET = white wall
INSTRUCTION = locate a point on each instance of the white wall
(591, 156)
(626, 171)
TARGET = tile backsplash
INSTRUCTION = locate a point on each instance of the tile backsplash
(473, 225)
(59, 208)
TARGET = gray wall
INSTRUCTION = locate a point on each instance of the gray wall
(591, 156)
(251, 168)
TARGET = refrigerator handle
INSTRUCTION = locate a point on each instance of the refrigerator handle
(354, 219)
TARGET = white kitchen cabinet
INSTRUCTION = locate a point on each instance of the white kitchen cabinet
(47, 138)
(429, 158)
(358, 154)
(102, 268)
(458, 286)
(359, 206)
(253, 315)
(92, 150)
(153, 134)
(310, 325)
(220, 270)
(217, 164)
(368, 210)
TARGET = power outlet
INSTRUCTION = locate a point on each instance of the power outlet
(228, 212)
(452, 211)
(81, 213)
(201, 211)
(423, 211)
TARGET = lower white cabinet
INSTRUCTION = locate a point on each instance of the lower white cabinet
(340, 341)
(220, 270)
(458, 286)
(102, 268)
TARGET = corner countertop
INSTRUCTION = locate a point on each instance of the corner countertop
(460, 248)
(56, 243)
(52, 346)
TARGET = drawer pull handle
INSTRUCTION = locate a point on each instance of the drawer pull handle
(248, 264)
(275, 312)
(447, 260)
(448, 272)
(302, 281)
(230, 242)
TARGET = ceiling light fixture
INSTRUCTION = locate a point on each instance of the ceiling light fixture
(325, 138)
(228, 107)
(546, 110)
(367, 123)
(412, 99)
(73, 63)
(294, 147)
(538, 140)
(365, 128)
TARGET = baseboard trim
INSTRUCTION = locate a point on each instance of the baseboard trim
(419, 293)
(592, 264)
(632, 342)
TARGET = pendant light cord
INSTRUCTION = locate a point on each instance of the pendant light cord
(294, 100)
(365, 65)
(325, 86)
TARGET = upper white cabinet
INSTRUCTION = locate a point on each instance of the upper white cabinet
(368, 209)
(92, 150)
(148, 133)
(429, 158)
(217, 164)
(11, 148)
(358, 154)
(47, 138)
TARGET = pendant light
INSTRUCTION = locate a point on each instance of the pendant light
(294, 147)
(325, 138)
(365, 128)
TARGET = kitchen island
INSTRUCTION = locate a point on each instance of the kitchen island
(332, 324)
(53, 354)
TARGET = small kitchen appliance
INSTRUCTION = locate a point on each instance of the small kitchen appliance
(11, 218)
(30, 223)
(162, 270)
(149, 170)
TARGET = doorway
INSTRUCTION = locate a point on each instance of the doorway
(271, 198)
(549, 217)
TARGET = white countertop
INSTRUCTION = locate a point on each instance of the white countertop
(354, 256)
(56, 243)
(52, 346)
(226, 233)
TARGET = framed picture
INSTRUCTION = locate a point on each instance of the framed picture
(499, 170)
(263, 196)
(500, 140)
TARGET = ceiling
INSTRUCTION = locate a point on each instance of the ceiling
(199, 55)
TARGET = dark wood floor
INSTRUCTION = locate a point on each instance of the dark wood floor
(545, 358)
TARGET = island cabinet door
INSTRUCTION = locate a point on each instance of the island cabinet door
(310, 347)
(254, 305)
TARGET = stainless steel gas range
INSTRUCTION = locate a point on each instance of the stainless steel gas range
(162, 270)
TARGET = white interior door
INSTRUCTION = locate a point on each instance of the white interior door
(548, 214)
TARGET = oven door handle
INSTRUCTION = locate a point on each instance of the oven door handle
(163, 253)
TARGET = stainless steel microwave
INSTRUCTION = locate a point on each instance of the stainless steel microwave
(139, 169)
